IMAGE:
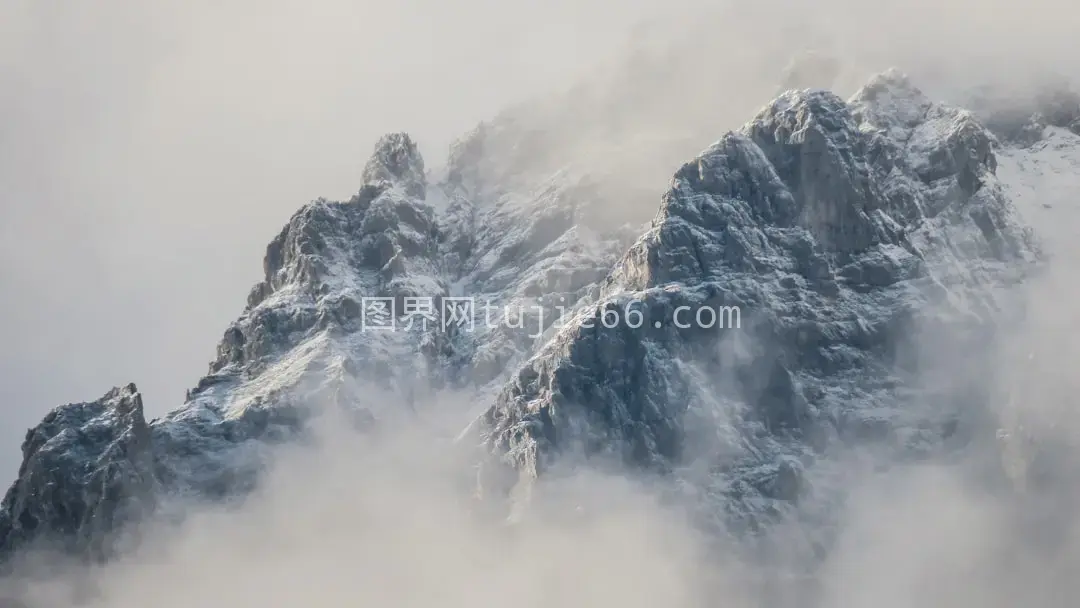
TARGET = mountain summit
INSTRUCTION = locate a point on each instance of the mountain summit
(774, 309)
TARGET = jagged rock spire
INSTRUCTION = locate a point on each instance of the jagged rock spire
(874, 207)
(825, 232)
(396, 159)
(87, 470)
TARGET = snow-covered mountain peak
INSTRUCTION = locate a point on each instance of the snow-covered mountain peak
(774, 301)
(890, 98)
(397, 160)
(829, 232)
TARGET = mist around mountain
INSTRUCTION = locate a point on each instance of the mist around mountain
(877, 413)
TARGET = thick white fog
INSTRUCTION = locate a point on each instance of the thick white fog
(149, 151)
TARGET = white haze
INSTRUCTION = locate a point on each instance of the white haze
(149, 151)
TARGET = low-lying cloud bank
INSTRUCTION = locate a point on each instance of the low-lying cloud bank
(392, 517)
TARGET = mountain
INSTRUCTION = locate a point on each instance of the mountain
(773, 312)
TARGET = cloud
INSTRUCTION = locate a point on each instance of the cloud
(150, 150)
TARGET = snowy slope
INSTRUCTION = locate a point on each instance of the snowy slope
(1044, 179)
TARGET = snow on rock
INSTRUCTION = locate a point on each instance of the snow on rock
(87, 469)
(821, 234)
(1044, 178)
(1021, 117)
(304, 342)
(838, 231)
(397, 160)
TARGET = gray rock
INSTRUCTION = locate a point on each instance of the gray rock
(820, 235)
(817, 241)
(87, 469)
(299, 342)
(305, 341)
(397, 160)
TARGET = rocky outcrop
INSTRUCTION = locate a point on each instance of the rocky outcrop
(765, 314)
(307, 339)
(87, 469)
(805, 252)
(531, 260)
(297, 347)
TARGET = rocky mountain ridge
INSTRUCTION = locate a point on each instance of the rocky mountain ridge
(839, 231)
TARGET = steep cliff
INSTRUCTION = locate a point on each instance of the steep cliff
(811, 253)
(777, 306)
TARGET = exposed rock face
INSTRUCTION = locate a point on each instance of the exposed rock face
(817, 241)
(305, 341)
(817, 237)
(397, 161)
(531, 260)
(87, 469)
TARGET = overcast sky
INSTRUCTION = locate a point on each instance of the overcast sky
(150, 150)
